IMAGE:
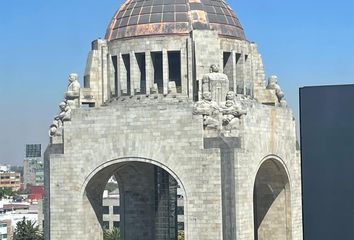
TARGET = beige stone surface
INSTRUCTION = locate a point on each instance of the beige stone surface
(224, 172)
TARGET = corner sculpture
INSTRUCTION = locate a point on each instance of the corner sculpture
(273, 84)
(64, 115)
(72, 95)
(72, 101)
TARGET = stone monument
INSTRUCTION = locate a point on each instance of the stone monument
(273, 84)
(176, 109)
(64, 115)
(216, 83)
(72, 95)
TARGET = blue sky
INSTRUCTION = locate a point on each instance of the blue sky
(303, 42)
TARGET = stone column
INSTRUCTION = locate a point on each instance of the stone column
(111, 76)
(240, 73)
(253, 74)
(233, 59)
(134, 75)
(184, 73)
(105, 79)
(191, 76)
(227, 146)
(246, 73)
(149, 72)
(165, 71)
(220, 64)
(122, 75)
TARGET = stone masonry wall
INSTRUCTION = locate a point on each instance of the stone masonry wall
(164, 132)
(268, 133)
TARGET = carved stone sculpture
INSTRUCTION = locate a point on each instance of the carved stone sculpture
(172, 88)
(64, 115)
(231, 112)
(273, 84)
(216, 83)
(210, 111)
(154, 89)
(72, 95)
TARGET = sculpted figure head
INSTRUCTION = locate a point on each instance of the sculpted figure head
(73, 77)
(214, 68)
(62, 106)
(207, 96)
(273, 79)
(230, 95)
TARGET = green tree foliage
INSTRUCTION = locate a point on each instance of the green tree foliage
(26, 230)
(180, 235)
(6, 191)
(113, 234)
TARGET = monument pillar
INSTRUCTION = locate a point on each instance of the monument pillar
(227, 147)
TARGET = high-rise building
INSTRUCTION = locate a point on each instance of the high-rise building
(327, 140)
(33, 166)
(33, 151)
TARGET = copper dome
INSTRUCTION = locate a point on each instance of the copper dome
(163, 17)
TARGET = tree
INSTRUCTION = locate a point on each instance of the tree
(27, 230)
(114, 234)
(6, 192)
(180, 235)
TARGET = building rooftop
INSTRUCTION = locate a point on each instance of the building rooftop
(164, 17)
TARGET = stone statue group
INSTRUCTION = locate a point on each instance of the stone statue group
(225, 116)
(216, 113)
(219, 112)
(71, 101)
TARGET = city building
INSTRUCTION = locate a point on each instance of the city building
(13, 212)
(4, 168)
(327, 140)
(111, 209)
(174, 95)
(5, 230)
(36, 193)
(33, 171)
(10, 180)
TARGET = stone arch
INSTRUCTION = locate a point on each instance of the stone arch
(146, 188)
(272, 201)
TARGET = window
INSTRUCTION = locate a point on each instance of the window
(105, 210)
(3, 236)
(228, 68)
(126, 60)
(180, 226)
(140, 58)
(116, 210)
(174, 69)
(115, 66)
(158, 70)
(180, 211)
(105, 225)
(116, 224)
(239, 74)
